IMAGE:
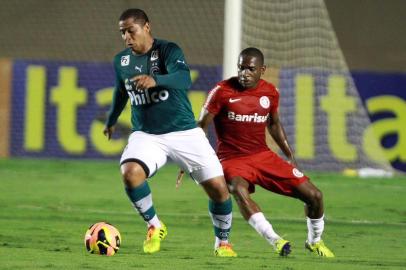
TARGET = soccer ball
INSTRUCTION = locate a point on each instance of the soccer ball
(102, 238)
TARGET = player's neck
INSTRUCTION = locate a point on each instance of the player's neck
(252, 87)
(147, 46)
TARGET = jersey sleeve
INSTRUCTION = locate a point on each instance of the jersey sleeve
(275, 101)
(213, 102)
(120, 98)
(178, 76)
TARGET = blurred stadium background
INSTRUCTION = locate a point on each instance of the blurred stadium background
(332, 66)
(340, 66)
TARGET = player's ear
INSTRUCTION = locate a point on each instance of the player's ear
(147, 27)
(263, 69)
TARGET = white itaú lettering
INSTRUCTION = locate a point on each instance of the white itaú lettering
(247, 117)
(147, 98)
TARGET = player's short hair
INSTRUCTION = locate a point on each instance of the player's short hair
(137, 14)
(251, 51)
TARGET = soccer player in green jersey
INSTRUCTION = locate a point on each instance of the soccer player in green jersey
(154, 75)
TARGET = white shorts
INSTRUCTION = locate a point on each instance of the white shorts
(190, 149)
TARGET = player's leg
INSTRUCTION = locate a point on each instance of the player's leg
(220, 209)
(140, 160)
(277, 175)
(313, 199)
(138, 191)
(252, 213)
(314, 210)
(193, 152)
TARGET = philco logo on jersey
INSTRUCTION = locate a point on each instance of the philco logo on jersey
(146, 97)
(125, 60)
(247, 117)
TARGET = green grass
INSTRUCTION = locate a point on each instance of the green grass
(47, 205)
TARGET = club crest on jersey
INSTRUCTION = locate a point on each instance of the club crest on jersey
(154, 55)
(125, 60)
(154, 70)
(264, 102)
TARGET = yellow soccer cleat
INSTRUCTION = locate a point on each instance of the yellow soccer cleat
(224, 250)
(320, 249)
(282, 247)
(154, 237)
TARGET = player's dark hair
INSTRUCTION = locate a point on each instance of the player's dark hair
(137, 14)
(254, 52)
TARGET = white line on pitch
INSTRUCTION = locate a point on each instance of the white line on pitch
(200, 215)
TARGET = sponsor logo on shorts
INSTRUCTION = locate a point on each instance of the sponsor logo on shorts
(264, 102)
(297, 173)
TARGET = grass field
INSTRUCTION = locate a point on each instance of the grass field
(47, 205)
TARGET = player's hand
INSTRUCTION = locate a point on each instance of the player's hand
(179, 178)
(143, 82)
(108, 131)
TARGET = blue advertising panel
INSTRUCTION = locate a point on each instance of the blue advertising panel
(58, 108)
(384, 95)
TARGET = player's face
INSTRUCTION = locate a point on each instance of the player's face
(135, 35)
(250, 70)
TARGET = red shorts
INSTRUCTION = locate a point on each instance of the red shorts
(267, 170)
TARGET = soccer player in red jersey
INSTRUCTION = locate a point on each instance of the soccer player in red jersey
(242, 108)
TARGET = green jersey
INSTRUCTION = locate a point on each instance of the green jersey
(161, 109)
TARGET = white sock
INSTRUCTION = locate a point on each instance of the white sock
(263, 227)
(315, 228)
(154, 222)
(218, 241)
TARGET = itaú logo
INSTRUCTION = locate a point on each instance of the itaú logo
(256, 118)
(146, 97)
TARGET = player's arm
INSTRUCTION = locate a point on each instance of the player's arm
(277, 132)
(205, 119)
(211, 107)
(120, 98)
(178, 76)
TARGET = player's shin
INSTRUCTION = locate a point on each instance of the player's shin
(221, 215)
(315, 227)
(263, 227)
(141, 199)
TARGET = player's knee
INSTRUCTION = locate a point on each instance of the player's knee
(316, 197)
(234, 188)
(216, 188)
(132, 174)
(231, 188)
(238, 191)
